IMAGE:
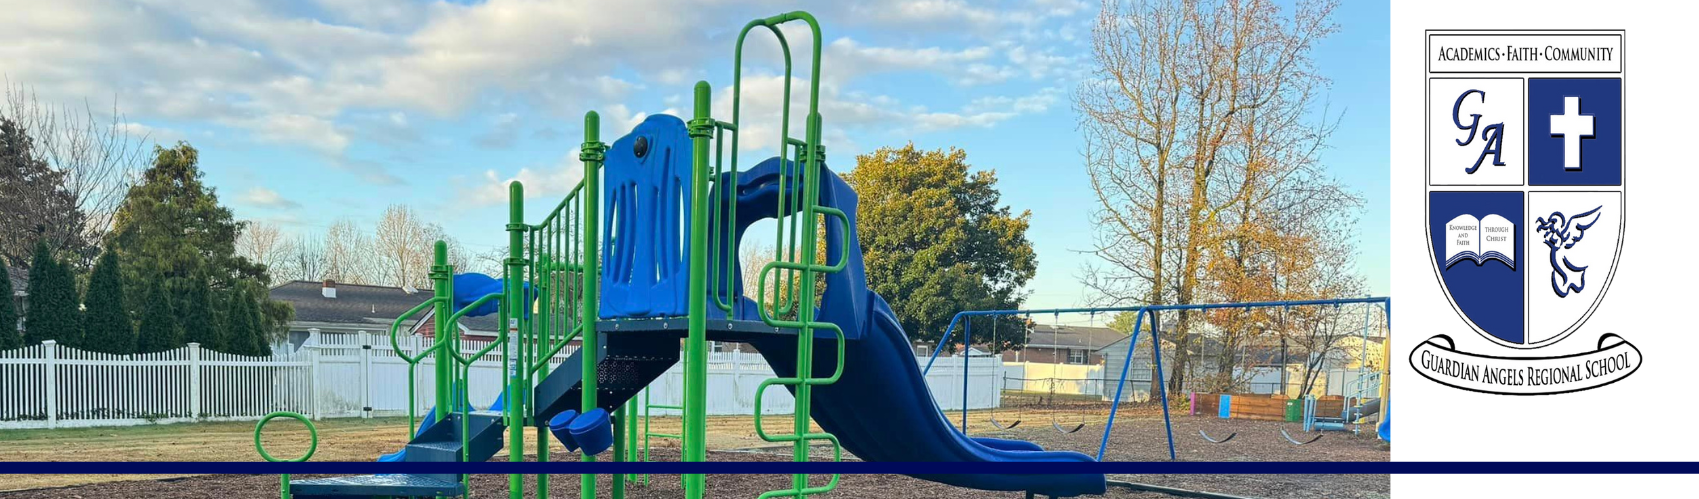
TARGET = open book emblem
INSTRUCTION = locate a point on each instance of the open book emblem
(1480, 240)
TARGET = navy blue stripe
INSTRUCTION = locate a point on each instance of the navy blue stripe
(569, 467)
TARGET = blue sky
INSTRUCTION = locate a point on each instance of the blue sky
(310, 112)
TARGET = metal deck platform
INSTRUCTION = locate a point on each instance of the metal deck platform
(719, 329)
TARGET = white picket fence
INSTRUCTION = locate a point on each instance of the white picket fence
(50, 386)
(1072, 379)
(357, 375)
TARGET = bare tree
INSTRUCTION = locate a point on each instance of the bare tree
(401, 242)
(1194, 109)
(303, 258)
(347, 254)
(752, 257)
(490, 262)
(424, 255)
(97, 158)
(261, 243)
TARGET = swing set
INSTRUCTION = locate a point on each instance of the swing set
(1126, 364)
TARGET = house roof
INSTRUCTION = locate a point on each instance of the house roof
(359, 304)
(1210, 345)
(1064, 336)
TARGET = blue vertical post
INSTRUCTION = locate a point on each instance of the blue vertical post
(1161, 384)
(1126, 364)
(967, 342)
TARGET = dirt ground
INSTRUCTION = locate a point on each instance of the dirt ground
(1138, 436)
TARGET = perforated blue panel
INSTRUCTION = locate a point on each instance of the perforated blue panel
(646, 207)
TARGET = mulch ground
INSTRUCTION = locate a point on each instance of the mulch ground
(1138, 435)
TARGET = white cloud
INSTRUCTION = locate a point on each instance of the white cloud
(314, 132)
(365, 69)
(978, 16)
(371, 172)
(1028, 104)
(1038, 64)
(267, 198)
(502, 133)
(553, 182)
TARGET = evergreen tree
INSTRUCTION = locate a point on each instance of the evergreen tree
(9, 337)
(259, 337)
(52, 313)
(199, 323)
(230, 322)
(106, 321)
(172, 227)
(159, 331)
(239, 324)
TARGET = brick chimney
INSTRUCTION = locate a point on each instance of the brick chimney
(329, 289)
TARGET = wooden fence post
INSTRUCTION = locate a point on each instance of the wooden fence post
(52, 349)
(195, 381)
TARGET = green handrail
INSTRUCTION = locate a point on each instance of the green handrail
(543, 360)
(465, 364)
(501, 335)
(554, 266)
(412, 362)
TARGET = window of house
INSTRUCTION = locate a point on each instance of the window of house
(1076, 356)
(716, 346)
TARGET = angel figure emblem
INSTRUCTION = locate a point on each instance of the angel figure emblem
(1561, 234)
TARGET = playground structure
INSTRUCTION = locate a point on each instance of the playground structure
(667, 233)
(640, 258)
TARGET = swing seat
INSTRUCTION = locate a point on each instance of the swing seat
(1214, 441)
(1058, 427)
(1296, 442)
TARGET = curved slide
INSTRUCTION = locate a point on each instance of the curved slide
(881, 409)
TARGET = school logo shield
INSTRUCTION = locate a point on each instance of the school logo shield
(1525, 243)
(1525, 212)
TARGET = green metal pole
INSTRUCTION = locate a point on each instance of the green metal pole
(445, 362)
(542, 457)
(631, 433)
(591, 153)
(805, 312)
(543, 282)
(619, 451)
(696, 344)
(514, 300)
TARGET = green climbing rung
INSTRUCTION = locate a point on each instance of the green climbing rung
(666, 435)
(673, 407)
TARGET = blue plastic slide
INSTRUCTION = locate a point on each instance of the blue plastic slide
(881, 409)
